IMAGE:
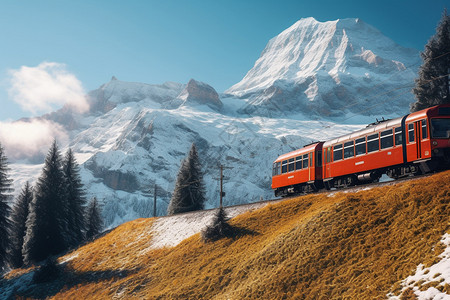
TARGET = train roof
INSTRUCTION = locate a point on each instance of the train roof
(375, 127)
(304, 150)
(439, 110)
(368, 130)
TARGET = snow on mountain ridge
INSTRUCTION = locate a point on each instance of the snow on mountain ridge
(313, 66)
(115, 91)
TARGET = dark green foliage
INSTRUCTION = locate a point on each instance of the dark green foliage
(189, 192)
(5, 197)
(432, 86)
(18, 218)
(46, 223)
(48, 272)
(94, 221)
(219, 228)
(76, 200)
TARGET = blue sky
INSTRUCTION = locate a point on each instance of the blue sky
(216, 42)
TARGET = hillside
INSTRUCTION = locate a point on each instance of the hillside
(359, 245)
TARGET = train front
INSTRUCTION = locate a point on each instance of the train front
(439, 118)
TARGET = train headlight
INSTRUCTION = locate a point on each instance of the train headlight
(435, 143)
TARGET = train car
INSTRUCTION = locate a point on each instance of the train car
(413, 144)
(428, 139)
(298, 171)
(399, 147)
(361, 156)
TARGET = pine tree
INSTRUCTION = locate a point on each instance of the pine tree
(219, 228)
(5, 196)
(432, 86)
(75, 199)
(189, 192)
(18, 218)
(46, 223)
(94, 221)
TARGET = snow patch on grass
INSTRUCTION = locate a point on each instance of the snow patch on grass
(427, 283)
(170, 231)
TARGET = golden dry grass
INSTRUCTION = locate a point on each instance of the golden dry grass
(349, 246)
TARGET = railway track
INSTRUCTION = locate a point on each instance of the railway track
(255, 205)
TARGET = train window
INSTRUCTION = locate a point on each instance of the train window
(387, 139)
(373, 143)
(278, 168)
(337, 152)
(424, 129)
(284, 166)
(444, 111)
(291, 164)
(411, 133)
(440, 128)
(319, 159)
(360, 146)
(398, 136)
(349, 149)
(298, 163)
(274, 169)
(305, 161)
(310, 159)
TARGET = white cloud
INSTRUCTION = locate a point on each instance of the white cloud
(30, 139)
(46, 87)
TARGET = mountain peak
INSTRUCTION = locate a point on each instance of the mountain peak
(198, 92)
(313, 59)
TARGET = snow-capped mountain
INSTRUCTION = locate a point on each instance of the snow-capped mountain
(329, 69)
(135, 134)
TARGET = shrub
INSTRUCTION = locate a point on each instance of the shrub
(48, 272)
(219, 228)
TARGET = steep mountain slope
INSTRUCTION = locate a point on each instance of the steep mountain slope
(328, 69)
(360, 245)
(135, 134)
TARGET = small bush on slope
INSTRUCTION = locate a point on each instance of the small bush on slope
(355, 246)
(219, 227)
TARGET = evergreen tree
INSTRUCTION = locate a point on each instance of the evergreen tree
(75, 199)
(432, 86)
(46, 223)
(189, 192)
(219, 228)
(5, 197)
(19, 217)
(94, 221)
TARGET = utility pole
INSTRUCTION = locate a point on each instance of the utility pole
(221, 178)
(154, 201)
(221, 185)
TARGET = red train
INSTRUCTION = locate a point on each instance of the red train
(413, 144)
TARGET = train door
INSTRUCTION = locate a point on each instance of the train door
(411, 146)
(311, 166)
(417, 131)
(326, 162)
(421, 134)
(318, 174)
(423, 138)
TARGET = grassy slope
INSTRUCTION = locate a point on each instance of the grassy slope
(354, 246)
